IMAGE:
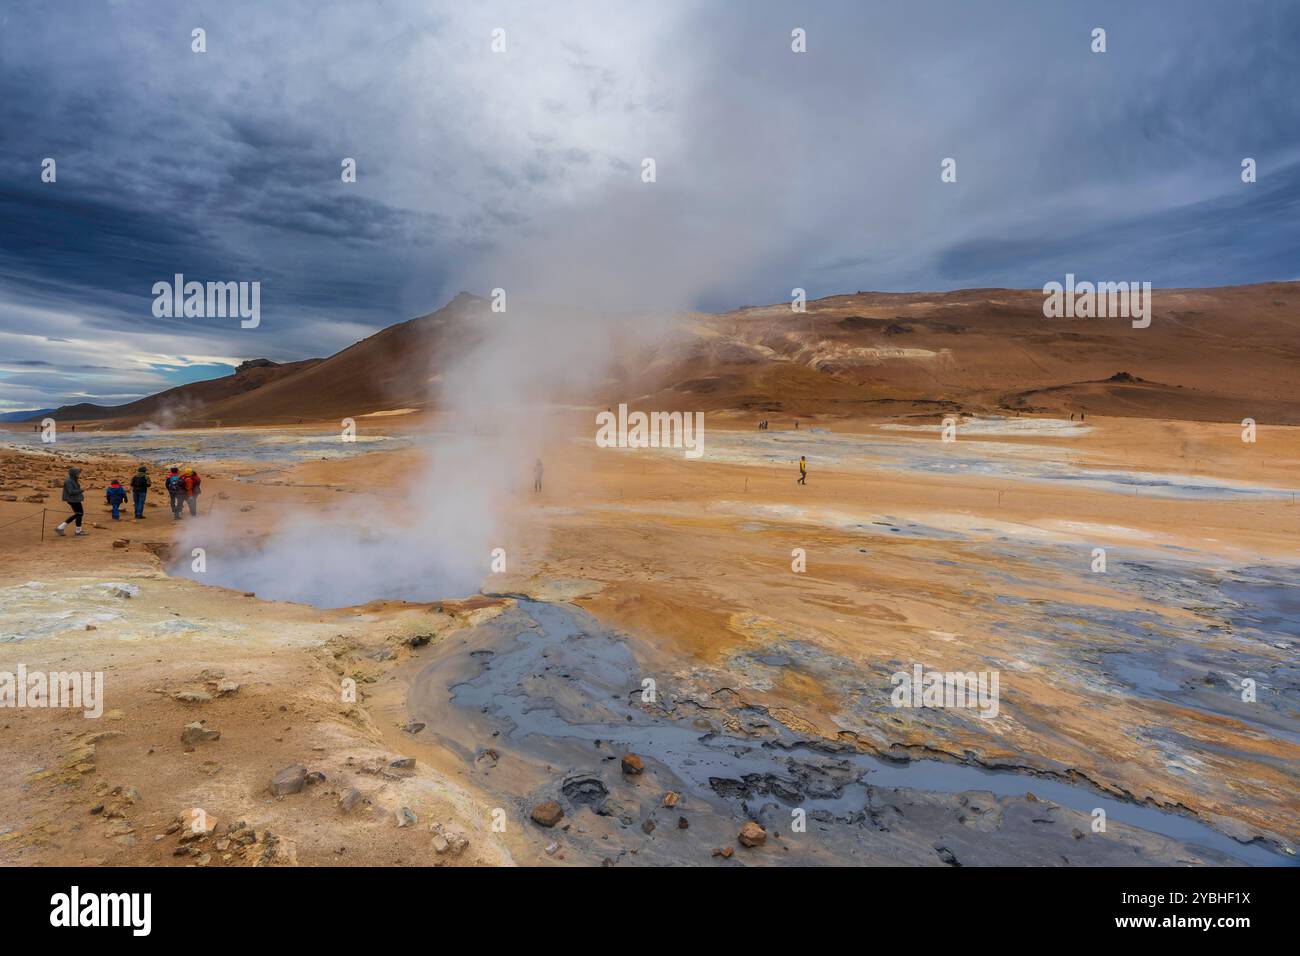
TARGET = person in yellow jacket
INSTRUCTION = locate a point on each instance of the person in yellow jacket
(803, 470)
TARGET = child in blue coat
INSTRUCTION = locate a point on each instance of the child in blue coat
(116, 497)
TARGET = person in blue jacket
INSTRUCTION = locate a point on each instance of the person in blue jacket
(116, 497)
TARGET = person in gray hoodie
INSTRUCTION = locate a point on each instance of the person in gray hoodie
(74, 496)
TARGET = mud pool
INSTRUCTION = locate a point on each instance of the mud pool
(547, 687)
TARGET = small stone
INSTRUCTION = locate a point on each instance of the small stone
(647, 826)
(414, 727)
(751, 835)
(121, 542)
(403, 763)
(723, 851)
(192, 696)
(289, 780)
(227, 687)
(1076, 833)
(671, 798)
(351, 797)
(632, 764)
(551, 848)
(547, 814)
(406, 817)
(196, 733)
(97, 808)
(683, 823)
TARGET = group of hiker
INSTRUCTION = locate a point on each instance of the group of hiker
(182, 485)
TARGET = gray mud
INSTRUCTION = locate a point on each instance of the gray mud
(542, 703)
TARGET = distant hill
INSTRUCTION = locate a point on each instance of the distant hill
(393, 366)
(1209, 354)
(1218, 354)
(26, 416)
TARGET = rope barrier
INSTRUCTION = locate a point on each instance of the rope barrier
(23, 518)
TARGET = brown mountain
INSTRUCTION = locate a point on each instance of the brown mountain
(1209, 354)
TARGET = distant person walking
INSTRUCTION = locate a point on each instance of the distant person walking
(190, 485)
(803, 470)
(139, 489)
(175, 486)
(115, 495)
(537, 475)
(74, 496)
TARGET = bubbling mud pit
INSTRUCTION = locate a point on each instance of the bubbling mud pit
(542, 703)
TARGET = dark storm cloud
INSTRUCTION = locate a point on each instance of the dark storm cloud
(776, 170)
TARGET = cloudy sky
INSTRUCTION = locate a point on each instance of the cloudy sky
(522, 169)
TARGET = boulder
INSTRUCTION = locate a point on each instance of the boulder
(752, 835)
(289, 780)
(632, 764)
(547, 814)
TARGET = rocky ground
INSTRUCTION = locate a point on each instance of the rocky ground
(231, 736)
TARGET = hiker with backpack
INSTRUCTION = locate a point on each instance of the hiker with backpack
(74, 496)
(175, 486)
(139, 489)
(115, 495)
(190, 485)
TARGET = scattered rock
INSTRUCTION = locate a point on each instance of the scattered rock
(946, 855)
(551, 848)
(350, 799)
(406, 817)
(547, 814)
(448, 838)
(751, 835)
(723, 851)
(647, 826)
(632, 764)
(671, 798)
(403, 763)
(196, 733)
(289, 780)
(414, 727)
(192, 696)
(227, 687)
(683, 823)
(1076, 833)
(121, 542)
